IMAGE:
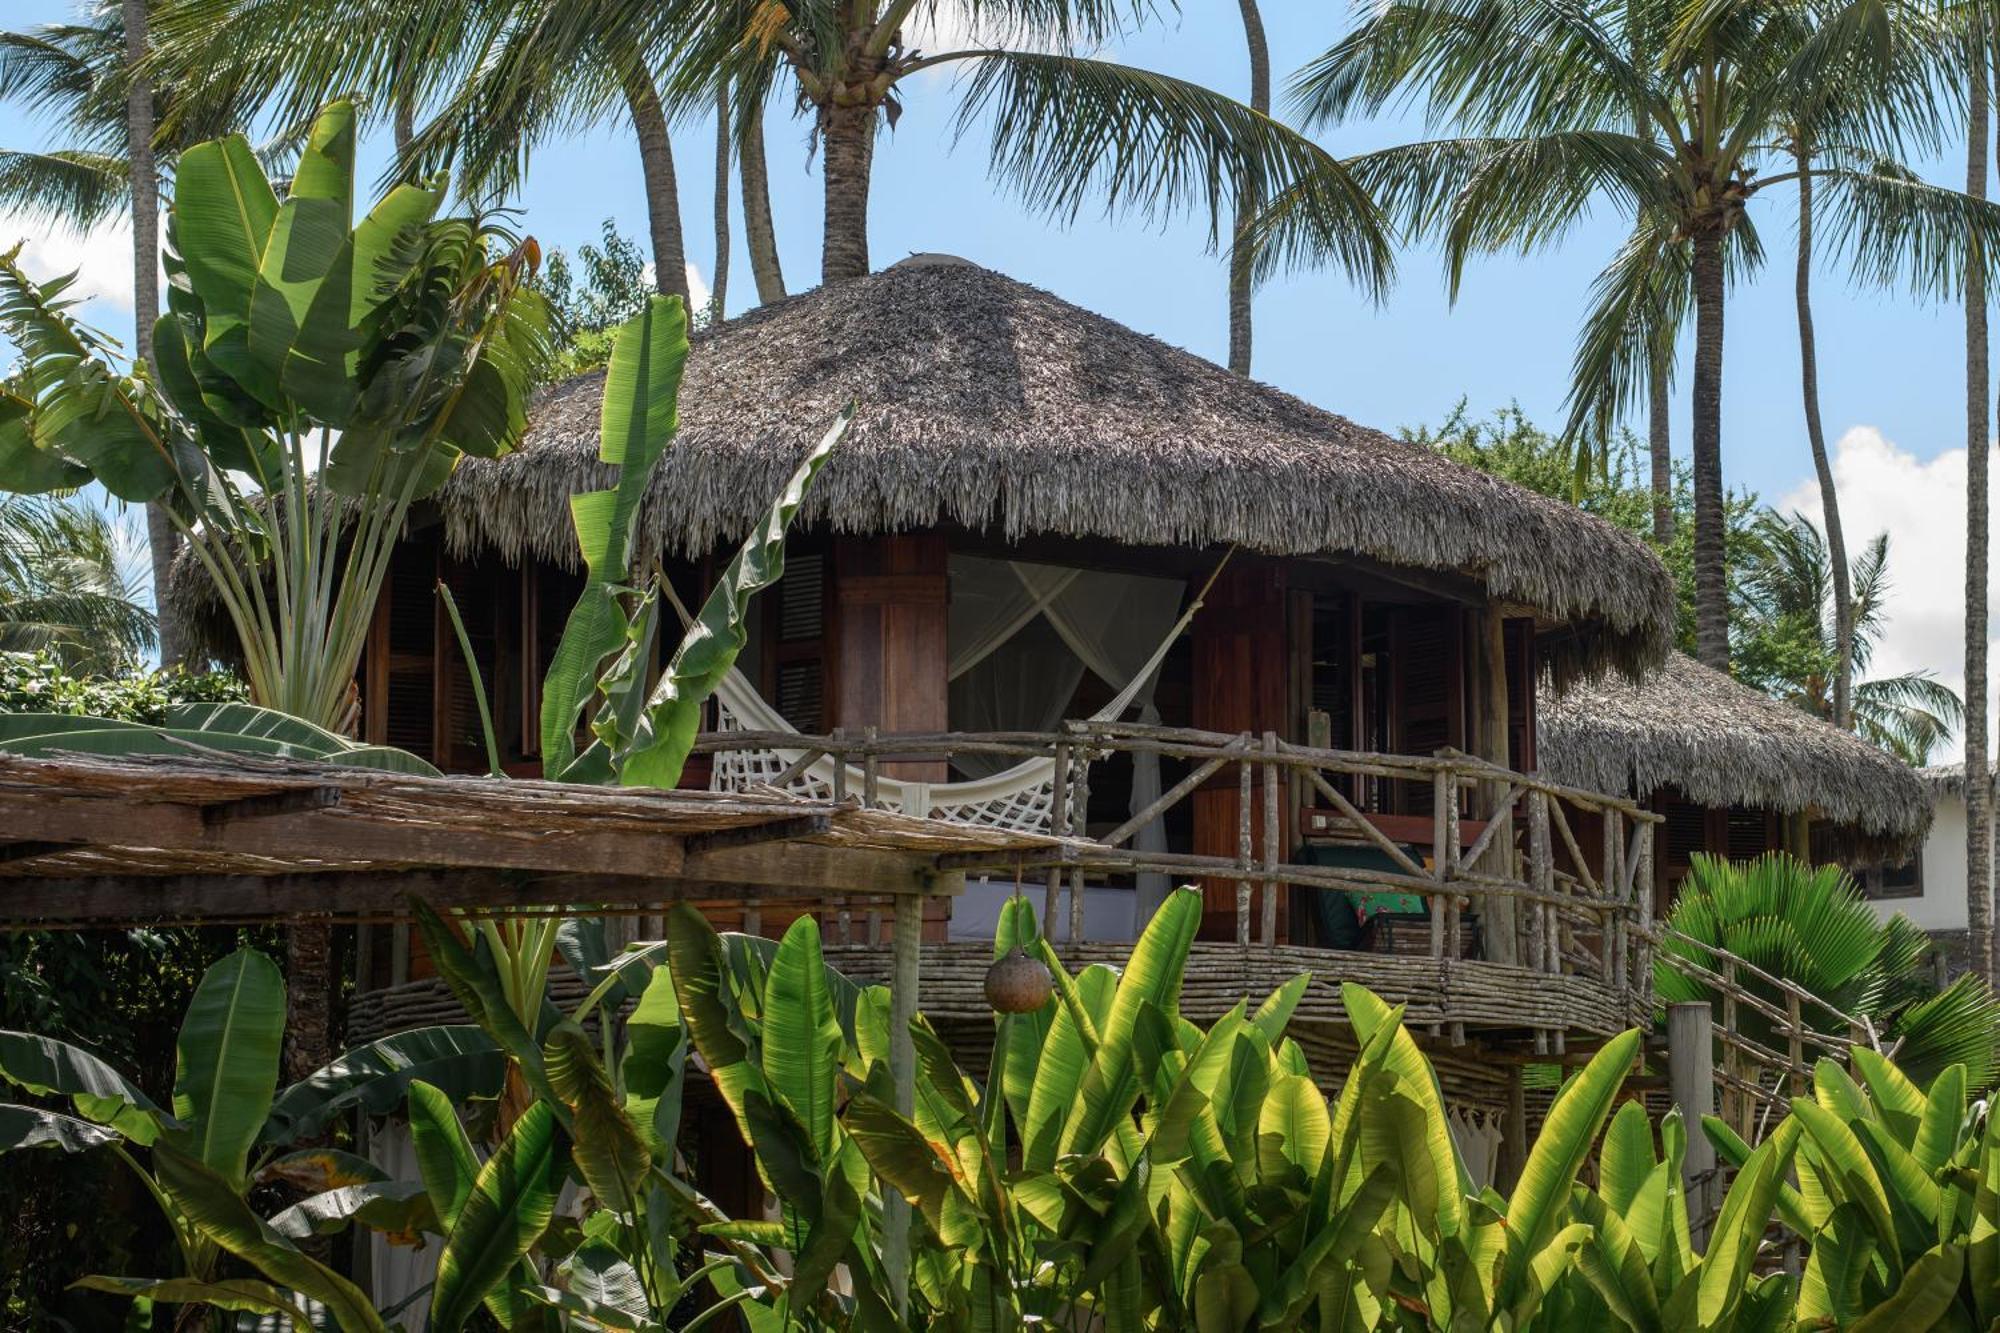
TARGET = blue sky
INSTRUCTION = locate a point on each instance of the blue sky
(1891, 369)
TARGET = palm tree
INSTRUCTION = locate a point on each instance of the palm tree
(85, 80)
(1792, 646)
(292, 56)
(760, 235)
(1561, 107)
(1065, 128)
(1242, 253)
(718, 281)
(62, 587)
(1978, 380)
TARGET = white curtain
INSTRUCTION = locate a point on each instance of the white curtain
(1022, 635)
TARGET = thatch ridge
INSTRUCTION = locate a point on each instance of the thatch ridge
(989, 403)
(1722, 743)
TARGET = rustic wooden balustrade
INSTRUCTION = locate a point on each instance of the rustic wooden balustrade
(1577, 912)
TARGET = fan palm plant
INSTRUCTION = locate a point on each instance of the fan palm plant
(62, 587)
(1810, 926)
(1793, 644)
(1673, 118)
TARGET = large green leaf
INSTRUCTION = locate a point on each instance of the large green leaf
(510, 1206)
(306, 244)
(1540, 1201)
(226, 1061)
(444, 1154)
(213, 1206)
(229, 1294)
(399, 1207)
(460, 1059)
(1928, 1291)
(801, 1038)
(655, 754)
(33, 1127)
(1152, 976)
(655, 1064)
(638, 419)
(224, 209)
(608, 1149)
(695, 964)
(48, 1067)
(1739, 1226)
(1411, 1079)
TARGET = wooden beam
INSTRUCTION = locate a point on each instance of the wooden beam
(52, 903)
(750, 835)
(29, 848)
(296, 801)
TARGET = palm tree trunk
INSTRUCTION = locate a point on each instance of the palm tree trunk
(1240, 256)
(405, 125)
(1711, 574)
(847, 139)
(719, 281)
(758, 232)
(1836, 540)
(161, 538)
(663, 195)
(1978, 790)
(1660, 443)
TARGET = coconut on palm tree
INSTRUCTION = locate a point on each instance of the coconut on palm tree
(1792, 642)
(1673, 117)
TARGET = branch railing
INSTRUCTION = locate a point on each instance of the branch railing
(1575, 910)
(1755, 1079)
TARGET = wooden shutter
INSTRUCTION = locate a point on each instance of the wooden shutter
(399, 704)
(1521, 671)
(795, 630)
(1426, 691)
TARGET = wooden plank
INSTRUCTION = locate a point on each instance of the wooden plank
(296, 801)
(749, 835)
(27, 849)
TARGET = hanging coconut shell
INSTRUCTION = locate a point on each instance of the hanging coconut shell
(1018, 984)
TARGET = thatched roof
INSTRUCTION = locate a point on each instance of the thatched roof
(989, 403)
(1722, 743)
(1949, 779)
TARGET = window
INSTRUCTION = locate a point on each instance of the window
(1881, 879)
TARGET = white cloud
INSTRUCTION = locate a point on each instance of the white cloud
(1920, 503)
(953, 25)
(101, 258)
(699, 292)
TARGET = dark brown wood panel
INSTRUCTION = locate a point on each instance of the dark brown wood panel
(1240, 660)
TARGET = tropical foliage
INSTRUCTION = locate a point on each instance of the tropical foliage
(63, 587)
(1793, 649)
(317, 376)
(1810, 926)
(1117, 1165)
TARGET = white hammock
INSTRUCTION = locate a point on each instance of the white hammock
(1021, 798)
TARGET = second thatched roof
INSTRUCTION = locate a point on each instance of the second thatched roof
(991, 404)
(1722, 743)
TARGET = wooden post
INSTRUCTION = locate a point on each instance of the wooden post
(1736, 1108)
(1270, 924)
(1691, 1084)
(1079, 820)
(1541, 873)
(1243, 848)
(1514, 1133)
(905, 978)
(1499, 911)
(1058, 825)
(1795, 1031)
(1442, 795)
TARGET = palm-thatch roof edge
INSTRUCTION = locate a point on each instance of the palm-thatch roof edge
(989, 403)
(1722, 743)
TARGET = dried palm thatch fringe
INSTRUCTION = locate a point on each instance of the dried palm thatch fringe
(988, 403)
(1722, 743)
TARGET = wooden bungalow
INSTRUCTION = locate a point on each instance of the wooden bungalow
(1063, 578)
(1735, 773)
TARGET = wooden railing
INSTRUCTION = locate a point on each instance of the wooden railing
(1756, 1080)
(1574, 910)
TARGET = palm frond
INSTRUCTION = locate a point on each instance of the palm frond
(1899, 230)
(1065, 130)
(79, 188)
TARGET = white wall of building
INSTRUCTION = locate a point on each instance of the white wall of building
(1942, 906)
